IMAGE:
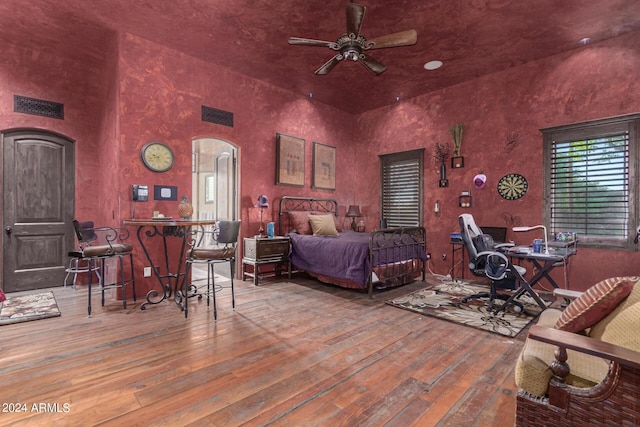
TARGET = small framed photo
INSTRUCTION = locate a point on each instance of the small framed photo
(324, 166)
(289, 160)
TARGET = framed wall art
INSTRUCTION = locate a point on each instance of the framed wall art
(324, 166)
(289, 160)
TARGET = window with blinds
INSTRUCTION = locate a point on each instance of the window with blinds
(588, 185)
(401, 188)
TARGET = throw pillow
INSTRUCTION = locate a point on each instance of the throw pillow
(300, 222)
(322, 225)
(339, 227)
(594, 304)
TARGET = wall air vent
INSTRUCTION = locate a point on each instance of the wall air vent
(38, 107)
(220, 117)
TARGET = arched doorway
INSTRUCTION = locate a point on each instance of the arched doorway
(215, 175)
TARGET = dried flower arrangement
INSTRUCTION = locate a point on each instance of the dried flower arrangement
(456, 134)
(441, 152)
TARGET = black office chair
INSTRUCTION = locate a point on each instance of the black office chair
(225, 240)
(487, 260)
(99, 244)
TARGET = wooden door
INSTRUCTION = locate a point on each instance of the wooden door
(38, 194)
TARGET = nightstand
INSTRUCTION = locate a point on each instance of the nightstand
(260, 251)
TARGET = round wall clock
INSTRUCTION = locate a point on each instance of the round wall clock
(157, 156)
(512, 186)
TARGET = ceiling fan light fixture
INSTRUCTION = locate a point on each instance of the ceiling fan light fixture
(352, 45)
(432, 65)
(585, 40)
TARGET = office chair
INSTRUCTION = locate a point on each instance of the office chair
(487, 260)
(225, 240)
(114, 246)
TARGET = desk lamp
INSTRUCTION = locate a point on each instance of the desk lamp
(353, 212)
(546, 245)
(263, 203)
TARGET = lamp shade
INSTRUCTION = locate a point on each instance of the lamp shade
(353, 211)
(263, 201)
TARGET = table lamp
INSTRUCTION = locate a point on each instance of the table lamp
(263, 203)
(353, 212)
(546, 246)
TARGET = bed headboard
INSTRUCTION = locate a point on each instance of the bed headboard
(304, 204)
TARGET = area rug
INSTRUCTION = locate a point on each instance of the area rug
(28, 307)
(444, 302)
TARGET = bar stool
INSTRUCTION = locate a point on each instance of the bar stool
(115, 247)
(225, 237)
(76, 268)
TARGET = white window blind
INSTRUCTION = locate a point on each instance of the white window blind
(401, 188)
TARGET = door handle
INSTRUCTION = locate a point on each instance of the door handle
(8, 230)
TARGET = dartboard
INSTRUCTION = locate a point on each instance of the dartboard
(512, 186)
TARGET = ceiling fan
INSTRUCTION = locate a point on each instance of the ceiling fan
(352, 45)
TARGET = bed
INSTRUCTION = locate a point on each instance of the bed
(381, 259)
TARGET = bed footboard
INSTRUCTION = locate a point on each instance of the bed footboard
(399, 255)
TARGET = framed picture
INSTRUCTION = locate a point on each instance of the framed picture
(289, 160)
(324, 166)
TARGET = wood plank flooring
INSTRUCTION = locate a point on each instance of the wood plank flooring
(296, 353)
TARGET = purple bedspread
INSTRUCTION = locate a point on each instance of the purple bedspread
(344, 256)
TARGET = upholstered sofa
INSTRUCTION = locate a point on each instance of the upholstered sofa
(581, 366)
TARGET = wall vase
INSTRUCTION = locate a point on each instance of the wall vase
(444, 182)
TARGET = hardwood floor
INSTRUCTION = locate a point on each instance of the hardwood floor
(296, 353)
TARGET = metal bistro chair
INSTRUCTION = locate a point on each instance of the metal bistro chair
(91, 252)
(225, 240)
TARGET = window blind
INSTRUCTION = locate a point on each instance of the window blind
(589, 186)
(401, 188)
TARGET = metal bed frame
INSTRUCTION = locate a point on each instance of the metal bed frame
(387, 243)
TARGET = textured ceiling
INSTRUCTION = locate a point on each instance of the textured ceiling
(471, 37)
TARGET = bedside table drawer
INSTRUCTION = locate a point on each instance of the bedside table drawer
(266, 248)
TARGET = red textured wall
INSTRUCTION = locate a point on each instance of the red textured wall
(127, 91)
(160, 97)
(596, 81)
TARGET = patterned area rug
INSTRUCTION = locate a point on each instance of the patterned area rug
(28, 307)
(444, 301)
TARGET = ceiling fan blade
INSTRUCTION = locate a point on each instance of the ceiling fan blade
(372, 65)
(355, 15)
(309, 42)
(403, 38)
(328, 66)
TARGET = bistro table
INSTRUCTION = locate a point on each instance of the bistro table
(148, 230)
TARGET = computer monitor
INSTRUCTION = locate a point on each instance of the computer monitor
(499, 234)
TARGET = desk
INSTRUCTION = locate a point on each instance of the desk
(455, 247)
(164, 228)
(559, 254)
